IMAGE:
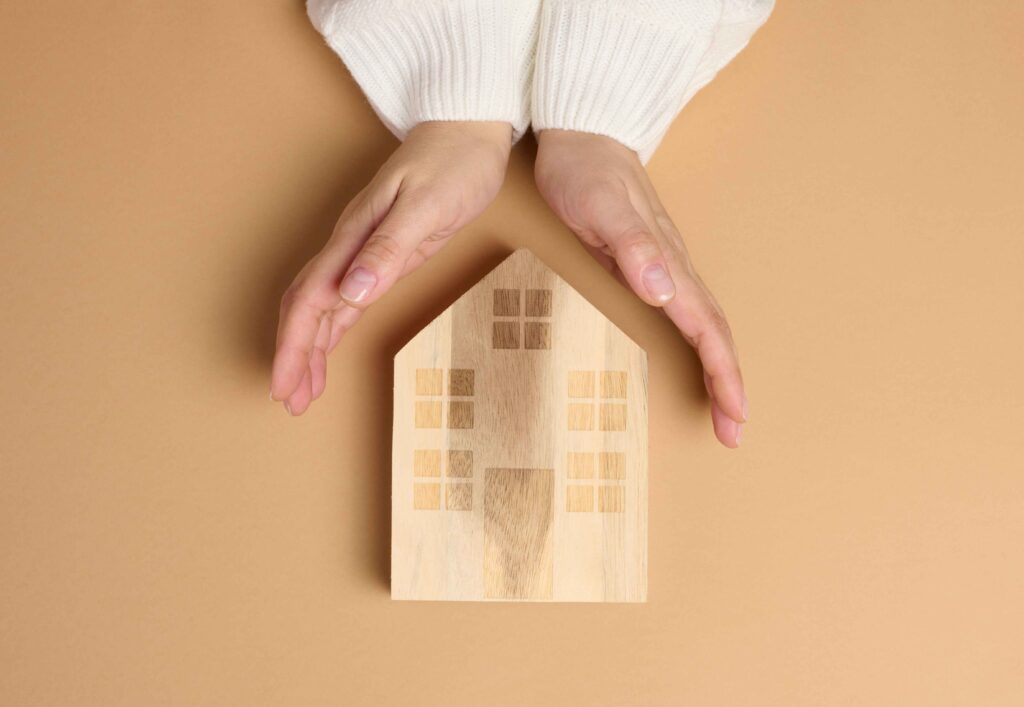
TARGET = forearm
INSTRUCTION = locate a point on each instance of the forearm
(436, 60)
(625, 69)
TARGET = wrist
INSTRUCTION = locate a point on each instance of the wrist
(491, 133)
(553, 140)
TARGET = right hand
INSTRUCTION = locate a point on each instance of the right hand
(600, 189)
(441, 178)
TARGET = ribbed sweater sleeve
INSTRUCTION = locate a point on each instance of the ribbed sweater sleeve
(421, 60)
(625, 68)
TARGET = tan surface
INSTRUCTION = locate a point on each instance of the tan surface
(851, 188)
(527, 534)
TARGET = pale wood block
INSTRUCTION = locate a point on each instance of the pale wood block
(579, 499)
(611, 499)
(460, 382)
(460, 463)
(517, 533)
(460, 414)
(613, 417)
(506, 302)
(426, 497)
(538, 303)
(537, 335)
(581, 384)
(528, 485)
(428, 381)
(428, 413)
(613, 384)
(580, 465)
(426, 462)
(612, 465)
(506, 335)
(459, 496)
(581, 416)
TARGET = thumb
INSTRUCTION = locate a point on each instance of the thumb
(635, 247)
(382, 259)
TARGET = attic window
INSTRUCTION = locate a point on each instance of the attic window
(516, 326)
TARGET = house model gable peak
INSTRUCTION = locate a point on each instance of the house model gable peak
(537, 283)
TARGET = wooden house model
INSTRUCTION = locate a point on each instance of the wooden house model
(520, 448)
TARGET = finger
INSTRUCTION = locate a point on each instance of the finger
(314, 291)
(343, 319)
(300, 321)
(700, 320)
(382, 259)
(299, 401)
(727, 430)
(637, 251)
(318, 358)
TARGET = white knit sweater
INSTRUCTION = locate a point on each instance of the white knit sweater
(620, 68)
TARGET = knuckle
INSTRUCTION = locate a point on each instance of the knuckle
(716, 321)
(383, 248)
(636, 244)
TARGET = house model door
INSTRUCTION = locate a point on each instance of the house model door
(518, 547)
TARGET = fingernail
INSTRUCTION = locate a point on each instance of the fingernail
(289, 407)
(357, 285)
(658, 283)
(739, 434)
(746, 409)
(272, 397)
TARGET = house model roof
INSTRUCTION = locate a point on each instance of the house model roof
(519, 462)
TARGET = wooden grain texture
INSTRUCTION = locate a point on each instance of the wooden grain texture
(519, 467)
(517, 533)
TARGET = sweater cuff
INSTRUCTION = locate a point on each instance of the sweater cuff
(436, 59)
(624, 71)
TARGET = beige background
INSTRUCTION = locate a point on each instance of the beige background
(850, 188)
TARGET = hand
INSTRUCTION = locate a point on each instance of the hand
(599, 188)
(437, 181)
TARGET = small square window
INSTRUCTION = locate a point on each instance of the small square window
(538, 303)
(458, 497)
(426, 497)
(506, 303)
(460, 415)
(426, 462)
(581, 416)
(579, 499)
(613, 384)
(581, 465)
(581, 384)
(611, 499)
(612, 465)
(506, 335)
(613, 417)
(460, 463)
(428, 413)
(428, 381)
(460, 381)
(537, 335)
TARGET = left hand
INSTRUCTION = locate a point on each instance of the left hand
(600, 189)
(441, 178)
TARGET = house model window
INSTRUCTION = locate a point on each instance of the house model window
(511, 326)
(519, 475)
